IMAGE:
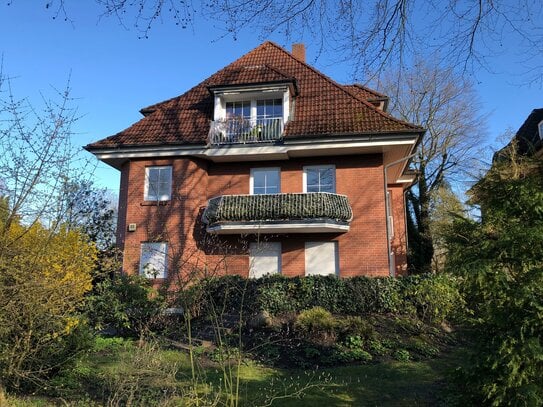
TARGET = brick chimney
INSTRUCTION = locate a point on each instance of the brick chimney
(298, 50)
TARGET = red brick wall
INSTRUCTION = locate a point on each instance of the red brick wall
(362, 250)
(174, 221)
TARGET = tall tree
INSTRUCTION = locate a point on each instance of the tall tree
(500, 260)
(445, 208)
(92, 210)
(446, 105)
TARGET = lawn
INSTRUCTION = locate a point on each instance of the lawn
(118, 372)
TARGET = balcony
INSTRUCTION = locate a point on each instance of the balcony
(320, 212)
(240, 130)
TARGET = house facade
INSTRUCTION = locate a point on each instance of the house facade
(268, 166)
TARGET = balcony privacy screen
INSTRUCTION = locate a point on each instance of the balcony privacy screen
(278, 207)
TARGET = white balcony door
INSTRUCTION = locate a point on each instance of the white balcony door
(264, 258)
(321, 258)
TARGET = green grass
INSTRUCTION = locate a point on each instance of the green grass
(154, 376)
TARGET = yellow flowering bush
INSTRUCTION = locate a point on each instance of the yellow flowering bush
(44, 276)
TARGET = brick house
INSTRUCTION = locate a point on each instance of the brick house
(267, 166)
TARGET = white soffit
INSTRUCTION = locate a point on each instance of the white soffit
(256, 152)
(283, 228)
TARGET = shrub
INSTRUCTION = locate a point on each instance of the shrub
(352, 355)
(44, 276)
(402, 355)
(355, 326)
(433, 297)
(128, 304)
(318, 323)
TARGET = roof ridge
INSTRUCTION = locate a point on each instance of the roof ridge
(341, 87)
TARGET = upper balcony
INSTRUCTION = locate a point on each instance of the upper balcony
(318, 212)
(240, 130)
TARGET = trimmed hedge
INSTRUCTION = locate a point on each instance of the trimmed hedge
(432, 297)
(276, 207)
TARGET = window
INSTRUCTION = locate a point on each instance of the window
(265, 181)
(153, 260)
(251, 114)
(158, 183)
(239, 109)
(540, 127)
(320, 178)
(269, 109)
(264, 258)
(321, 258)
(254, 120)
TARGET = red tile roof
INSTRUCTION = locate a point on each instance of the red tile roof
(322, 106)
(364, 92)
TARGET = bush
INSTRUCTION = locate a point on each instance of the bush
(432, 297)
(44, 276)
(355, 326)
(402, 355)
(318, 323)
(127, 304)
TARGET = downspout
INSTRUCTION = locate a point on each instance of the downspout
(391, 270)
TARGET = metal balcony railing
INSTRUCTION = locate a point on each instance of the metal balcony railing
(240, 130)
(278, 207)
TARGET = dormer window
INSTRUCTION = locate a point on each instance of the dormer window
(250, 114)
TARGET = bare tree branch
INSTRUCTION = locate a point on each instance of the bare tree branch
(447, 106)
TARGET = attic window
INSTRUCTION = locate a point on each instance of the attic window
(255, 101)
(249, 114)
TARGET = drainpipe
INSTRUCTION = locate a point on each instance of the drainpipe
(391, 270)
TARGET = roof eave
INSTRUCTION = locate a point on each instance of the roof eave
(254, 85)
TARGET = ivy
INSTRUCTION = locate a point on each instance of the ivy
(274, 207)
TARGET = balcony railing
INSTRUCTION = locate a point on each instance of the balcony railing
(302, 212)
(239, 130)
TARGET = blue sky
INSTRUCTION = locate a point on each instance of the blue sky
(114, 73)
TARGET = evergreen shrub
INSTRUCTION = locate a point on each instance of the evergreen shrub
(433, 298)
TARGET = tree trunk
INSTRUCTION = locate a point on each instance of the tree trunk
(421, 247)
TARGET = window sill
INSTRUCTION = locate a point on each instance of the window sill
(154, 203)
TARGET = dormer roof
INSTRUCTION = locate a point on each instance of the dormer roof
(322, 107)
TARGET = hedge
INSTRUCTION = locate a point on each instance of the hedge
(431, 297)
(275, 207)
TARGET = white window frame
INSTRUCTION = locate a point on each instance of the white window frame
(148, 194)
(252, 178)
(318, 167)
(258, 247)
(540, 129)
(252, 95)
(156, 252)
(319, 248)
